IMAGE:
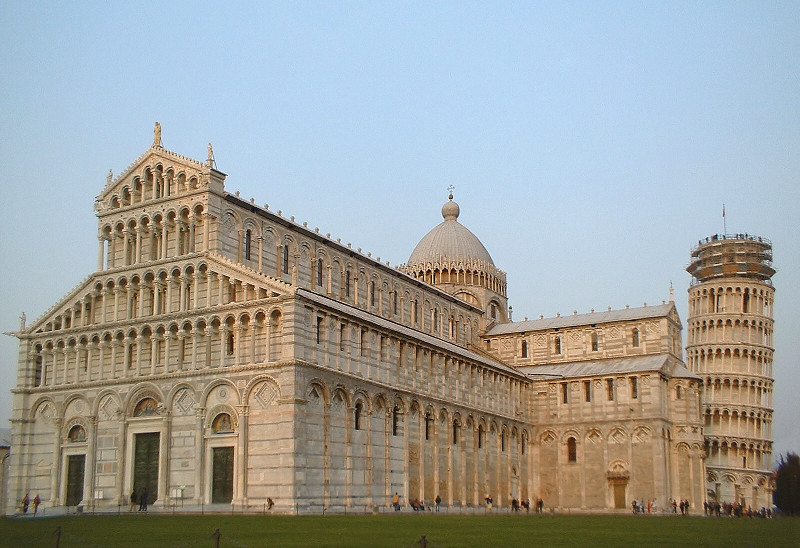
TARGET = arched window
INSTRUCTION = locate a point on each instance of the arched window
(455, 432)
(357, 415)
(347, 283)
(372, 293)
(595, 344)
(557, 345)
(635, 337)
(247, 239)
(37, 379)
(572, 450)
(230, 343)
(524, 444)
(428, 424)
(286, 259)
(222, 424)
(524, 349)
(395, 420)
(503, 441)
(319, 272)
(678, 393)
(76, 434)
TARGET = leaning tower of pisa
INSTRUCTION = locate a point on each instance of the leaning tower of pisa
(730, 347)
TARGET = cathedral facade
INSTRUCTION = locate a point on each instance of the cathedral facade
(222, 353)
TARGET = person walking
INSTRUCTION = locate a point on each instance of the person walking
(143, 501)
(36, 502)
(438, 501)
(133, 500)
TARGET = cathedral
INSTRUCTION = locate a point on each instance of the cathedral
(223, 353)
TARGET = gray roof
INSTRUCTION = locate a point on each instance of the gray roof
(389, 325)
(612, 366)
(5, 437)
(639, 313)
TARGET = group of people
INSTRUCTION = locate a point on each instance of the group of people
(684, 505)
(140, 499)
(26, 502)
(642, 507)
(734, 510)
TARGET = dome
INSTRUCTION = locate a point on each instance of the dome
(449, 242)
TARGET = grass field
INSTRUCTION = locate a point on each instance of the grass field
(394, 531)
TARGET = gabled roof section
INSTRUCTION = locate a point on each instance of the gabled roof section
(661, 363)
(559, 322)
(420, 336)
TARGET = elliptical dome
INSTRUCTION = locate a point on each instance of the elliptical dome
(449, 242)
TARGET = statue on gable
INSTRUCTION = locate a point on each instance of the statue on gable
(157, 135)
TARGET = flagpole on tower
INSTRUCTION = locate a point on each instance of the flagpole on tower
(724, 224)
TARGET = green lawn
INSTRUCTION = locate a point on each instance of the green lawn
(395, 531)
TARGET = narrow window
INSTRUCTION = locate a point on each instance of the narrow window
(395, 420)
(319, 272)
(494, 312)
(357, 415)
(394, 299)
(524, 349)
(319, 329)
(610, 389)
(347, 283)
(564, 392)
(595, 344)
(634, 387)
(372, 293)
(342, 336)
(37, 380)
(231, 340)
(503, 442)
(678, 394)
(286, 259)
(572, 450)
(435, 320)
(744, 462)
(455, 432)
(635, 337)
(481, 435)
(587, 390)
(746, 301)
(428, 421)
(247, 239)
(557, 345)
(524, 444)
(364, 348)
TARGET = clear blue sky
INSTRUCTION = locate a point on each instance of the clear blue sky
(591, 144)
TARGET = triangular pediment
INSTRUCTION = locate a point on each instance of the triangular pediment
(72, 305)
(154, 164)
(55, 316)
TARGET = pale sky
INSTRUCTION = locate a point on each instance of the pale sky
(591, 144)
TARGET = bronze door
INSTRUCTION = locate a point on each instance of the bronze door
(145, 467)
(222, 482)
(619, 495)
(75, 470)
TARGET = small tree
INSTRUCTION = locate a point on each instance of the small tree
(787, 485)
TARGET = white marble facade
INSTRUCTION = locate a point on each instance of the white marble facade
(223, 353)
